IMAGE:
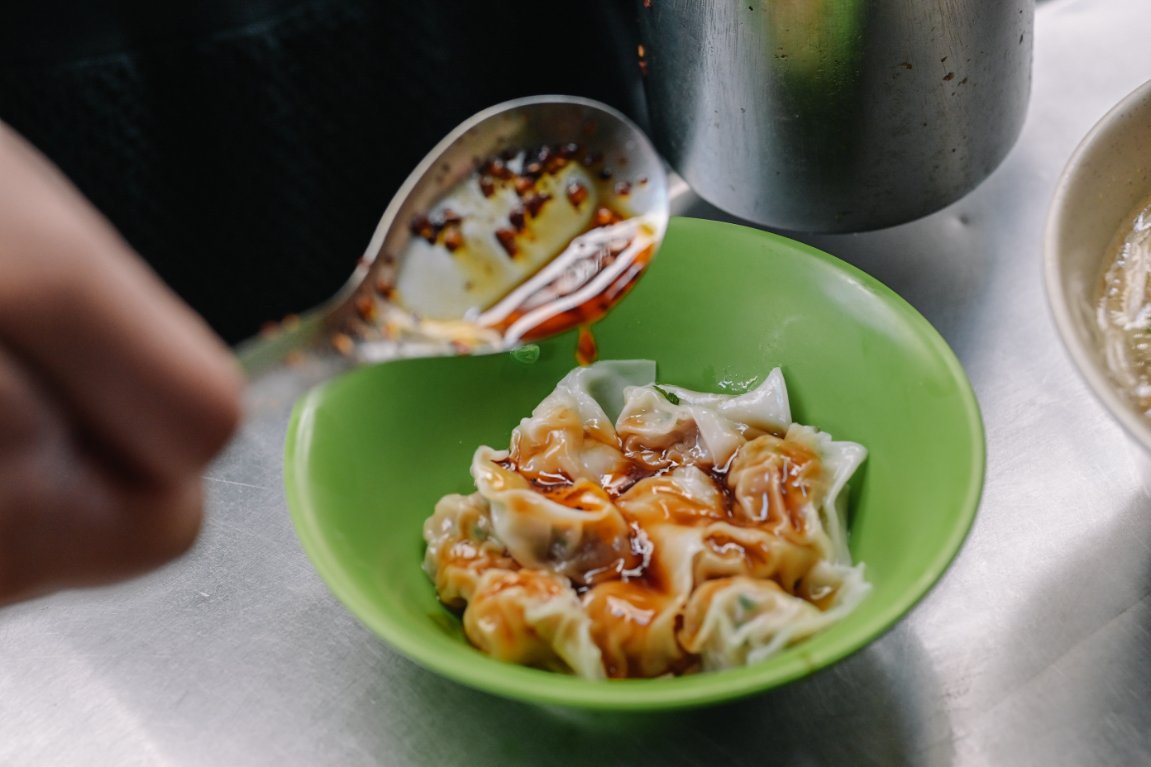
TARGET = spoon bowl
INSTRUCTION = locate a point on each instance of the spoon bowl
(531, 217)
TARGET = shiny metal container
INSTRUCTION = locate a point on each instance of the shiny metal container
(835, 115)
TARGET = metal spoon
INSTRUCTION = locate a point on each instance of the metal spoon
(531, 217)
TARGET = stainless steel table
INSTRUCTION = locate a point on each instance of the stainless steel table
(1034, 649)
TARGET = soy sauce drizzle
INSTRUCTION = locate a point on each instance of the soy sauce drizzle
(586, 349)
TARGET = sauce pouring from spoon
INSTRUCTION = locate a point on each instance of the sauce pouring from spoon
(529, 219)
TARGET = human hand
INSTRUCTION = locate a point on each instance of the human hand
(113, 394)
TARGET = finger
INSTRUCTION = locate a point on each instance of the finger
(138, 370)
(67, 518)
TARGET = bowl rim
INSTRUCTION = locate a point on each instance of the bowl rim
(650, 695)
(1058, 301)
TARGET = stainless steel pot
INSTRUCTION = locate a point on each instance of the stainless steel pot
(835, 115)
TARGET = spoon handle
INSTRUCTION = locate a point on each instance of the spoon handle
(300, 349)
(280, 345)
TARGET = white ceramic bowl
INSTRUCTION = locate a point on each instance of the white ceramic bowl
(1106, 179)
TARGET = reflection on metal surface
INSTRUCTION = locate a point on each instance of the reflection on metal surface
(839, 116)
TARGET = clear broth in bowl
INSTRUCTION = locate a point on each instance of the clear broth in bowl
(1123, 310)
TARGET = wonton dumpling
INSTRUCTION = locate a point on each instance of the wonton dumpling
(596, 392)
(793, 486)
(534, 618)
(669, 425)
(461, 546)
(728, 550)
(840, 461)
(564, 441)
(835, 588)
(660, 433)
(765, 407)
(634, 629)
(634, 530)
(600, 388)
(778, 485)
(570, 435)
(684, 495)
(735, 621)
(580, 535)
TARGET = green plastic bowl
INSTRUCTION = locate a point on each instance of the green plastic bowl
(369, 454)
